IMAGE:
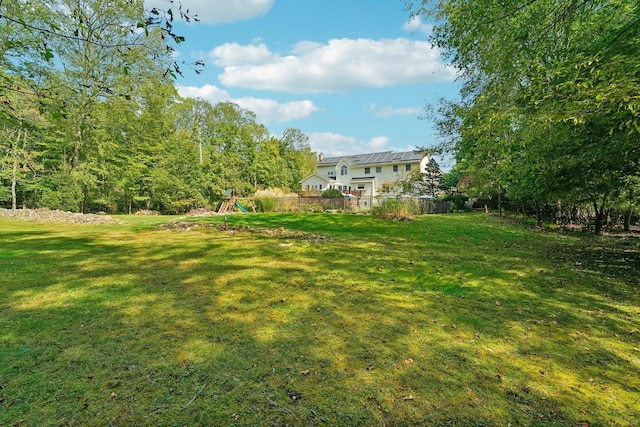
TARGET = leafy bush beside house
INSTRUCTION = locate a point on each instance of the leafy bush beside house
(331, 193)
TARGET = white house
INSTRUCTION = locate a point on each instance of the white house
(363, 174)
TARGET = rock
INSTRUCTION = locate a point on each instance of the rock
(48, 215)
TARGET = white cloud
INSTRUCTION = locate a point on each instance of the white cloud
(334, 144)
(393, 111)
(415, 24)
(266, 110)
(340, 65)
(217, 11)
(233, 54)
(208, 92)
(378, 142)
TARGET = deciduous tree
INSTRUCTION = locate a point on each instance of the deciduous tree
(549, 108)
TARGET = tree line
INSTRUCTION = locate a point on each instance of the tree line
(90, 119)
(549, 108)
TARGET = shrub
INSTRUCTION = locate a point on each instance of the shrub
(457, 201)
(331, 193)
(396, 209)
(266, 203)
(313, 208)
(275, 192)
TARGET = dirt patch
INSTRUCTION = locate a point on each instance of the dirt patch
(48, 215)
(202, 212)
(274, 232)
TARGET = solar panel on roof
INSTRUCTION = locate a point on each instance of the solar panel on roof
(371, 158)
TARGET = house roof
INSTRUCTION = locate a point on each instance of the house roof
(324, 178)
(376, 158)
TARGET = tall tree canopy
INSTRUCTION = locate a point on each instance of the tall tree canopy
(550, 104)
(90, 119)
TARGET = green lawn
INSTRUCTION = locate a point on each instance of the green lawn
(460, 319)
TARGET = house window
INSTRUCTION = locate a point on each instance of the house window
(330, 173)
(378, 169)
(407, 167)
(320, 186)
(360, 187)
(367, 170)
(395, 168)
(344, 170)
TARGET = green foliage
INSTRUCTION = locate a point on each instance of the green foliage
(63, 192)
(331, 193)
(5, 194)
(458, 201)
(395, 209)
(266, 203)
(429, 182)
(99, 107)
(549, 109)
(314, 208)
(450, 181)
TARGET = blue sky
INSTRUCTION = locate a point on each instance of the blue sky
(353, 75)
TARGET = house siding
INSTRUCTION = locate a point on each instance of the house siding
(330, 171)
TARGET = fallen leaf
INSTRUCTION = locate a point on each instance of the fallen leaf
(305, 372)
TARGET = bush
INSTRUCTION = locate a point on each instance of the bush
(331, 193)
(275, 192)
(313, 208)
(63, 192)
(457, 201)
(396, 209)
(266, 203)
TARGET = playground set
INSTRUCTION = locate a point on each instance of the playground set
(230, 202)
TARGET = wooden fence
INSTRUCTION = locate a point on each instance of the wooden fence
(352, 204)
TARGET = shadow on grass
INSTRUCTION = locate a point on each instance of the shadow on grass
(432, 322)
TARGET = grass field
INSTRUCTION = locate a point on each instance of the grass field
(459, 319)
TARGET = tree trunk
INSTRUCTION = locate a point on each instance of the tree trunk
(14, 172)
(13, 182)
(627, 219)
(599, 219)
